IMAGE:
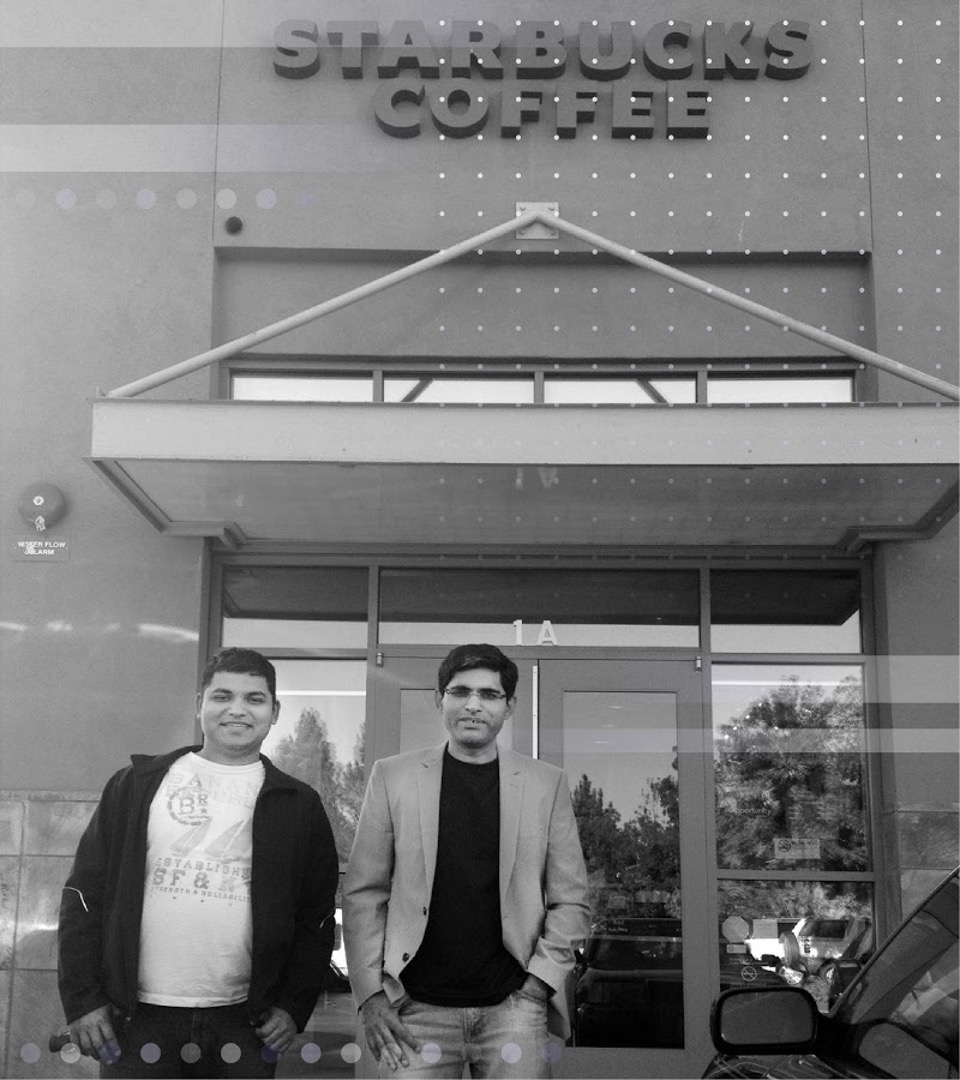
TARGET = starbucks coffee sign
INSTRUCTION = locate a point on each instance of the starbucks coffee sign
(642, 82)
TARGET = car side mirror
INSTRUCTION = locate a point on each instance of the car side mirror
(777, 1020)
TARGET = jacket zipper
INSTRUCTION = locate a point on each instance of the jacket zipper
(80, 894)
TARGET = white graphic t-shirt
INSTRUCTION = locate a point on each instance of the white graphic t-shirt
(196, 931)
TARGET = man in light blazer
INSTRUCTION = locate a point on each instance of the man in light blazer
(466, 893)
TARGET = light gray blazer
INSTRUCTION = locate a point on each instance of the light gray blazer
(389, 880)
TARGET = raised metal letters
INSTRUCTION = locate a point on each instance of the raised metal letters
(298, 59)
(669, 51)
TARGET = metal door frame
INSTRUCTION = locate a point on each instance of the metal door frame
(543, 672)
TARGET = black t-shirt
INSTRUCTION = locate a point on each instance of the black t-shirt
(462, 960)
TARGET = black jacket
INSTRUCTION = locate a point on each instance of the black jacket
(293, 885)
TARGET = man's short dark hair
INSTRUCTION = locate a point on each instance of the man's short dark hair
(471, 657)
(240, 662)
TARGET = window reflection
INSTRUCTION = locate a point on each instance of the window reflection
(812, 934)
(630, 969)
(319, 736)
(619, 749)
(789, 767)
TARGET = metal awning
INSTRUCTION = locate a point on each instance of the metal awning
(829, 477)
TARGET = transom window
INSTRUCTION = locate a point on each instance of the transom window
(544, 383)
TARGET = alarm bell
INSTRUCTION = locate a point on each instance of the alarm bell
(42, 505)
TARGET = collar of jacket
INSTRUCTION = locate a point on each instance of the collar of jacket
(510, 761)
(147, 764)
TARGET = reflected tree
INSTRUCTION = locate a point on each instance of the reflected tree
(789, 780)
(628, 860)
(309, 755)
(655, 831)
(794, 899)
(606, 845)
(353, 784)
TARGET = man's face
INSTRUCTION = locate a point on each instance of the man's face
(474, 709)
(236, 711)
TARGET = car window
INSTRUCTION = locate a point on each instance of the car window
(901, 1016)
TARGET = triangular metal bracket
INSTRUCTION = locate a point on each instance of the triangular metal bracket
(539, 229)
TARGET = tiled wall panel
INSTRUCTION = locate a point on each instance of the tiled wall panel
(38, 837)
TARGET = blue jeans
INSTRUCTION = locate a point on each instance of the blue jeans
(495, 1041)
(161, 1041)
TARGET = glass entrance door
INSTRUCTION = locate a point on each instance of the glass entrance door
(630, 736)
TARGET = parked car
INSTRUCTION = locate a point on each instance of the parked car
(632, 968)
(898, 1018)
(816, 940)
(767, 935)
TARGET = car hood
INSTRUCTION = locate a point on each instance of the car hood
(793, 1066)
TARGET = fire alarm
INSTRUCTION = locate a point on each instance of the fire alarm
(42, 505)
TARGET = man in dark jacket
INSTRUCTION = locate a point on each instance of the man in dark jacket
(197, 923)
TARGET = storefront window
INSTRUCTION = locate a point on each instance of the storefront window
(304, 607)
(789, 766)
(528, 607)
(785, 611)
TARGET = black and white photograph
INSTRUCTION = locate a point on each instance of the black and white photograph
(479, 574)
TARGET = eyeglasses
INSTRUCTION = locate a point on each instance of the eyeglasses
(464, 693)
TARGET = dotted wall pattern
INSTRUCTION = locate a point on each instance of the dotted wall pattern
(912, 83)
(798, 169)
(784, 167)
(519, 306)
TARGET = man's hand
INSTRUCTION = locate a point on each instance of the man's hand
(277, 1029)
(93, 1033)
(386, 1033)
(536, 988)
